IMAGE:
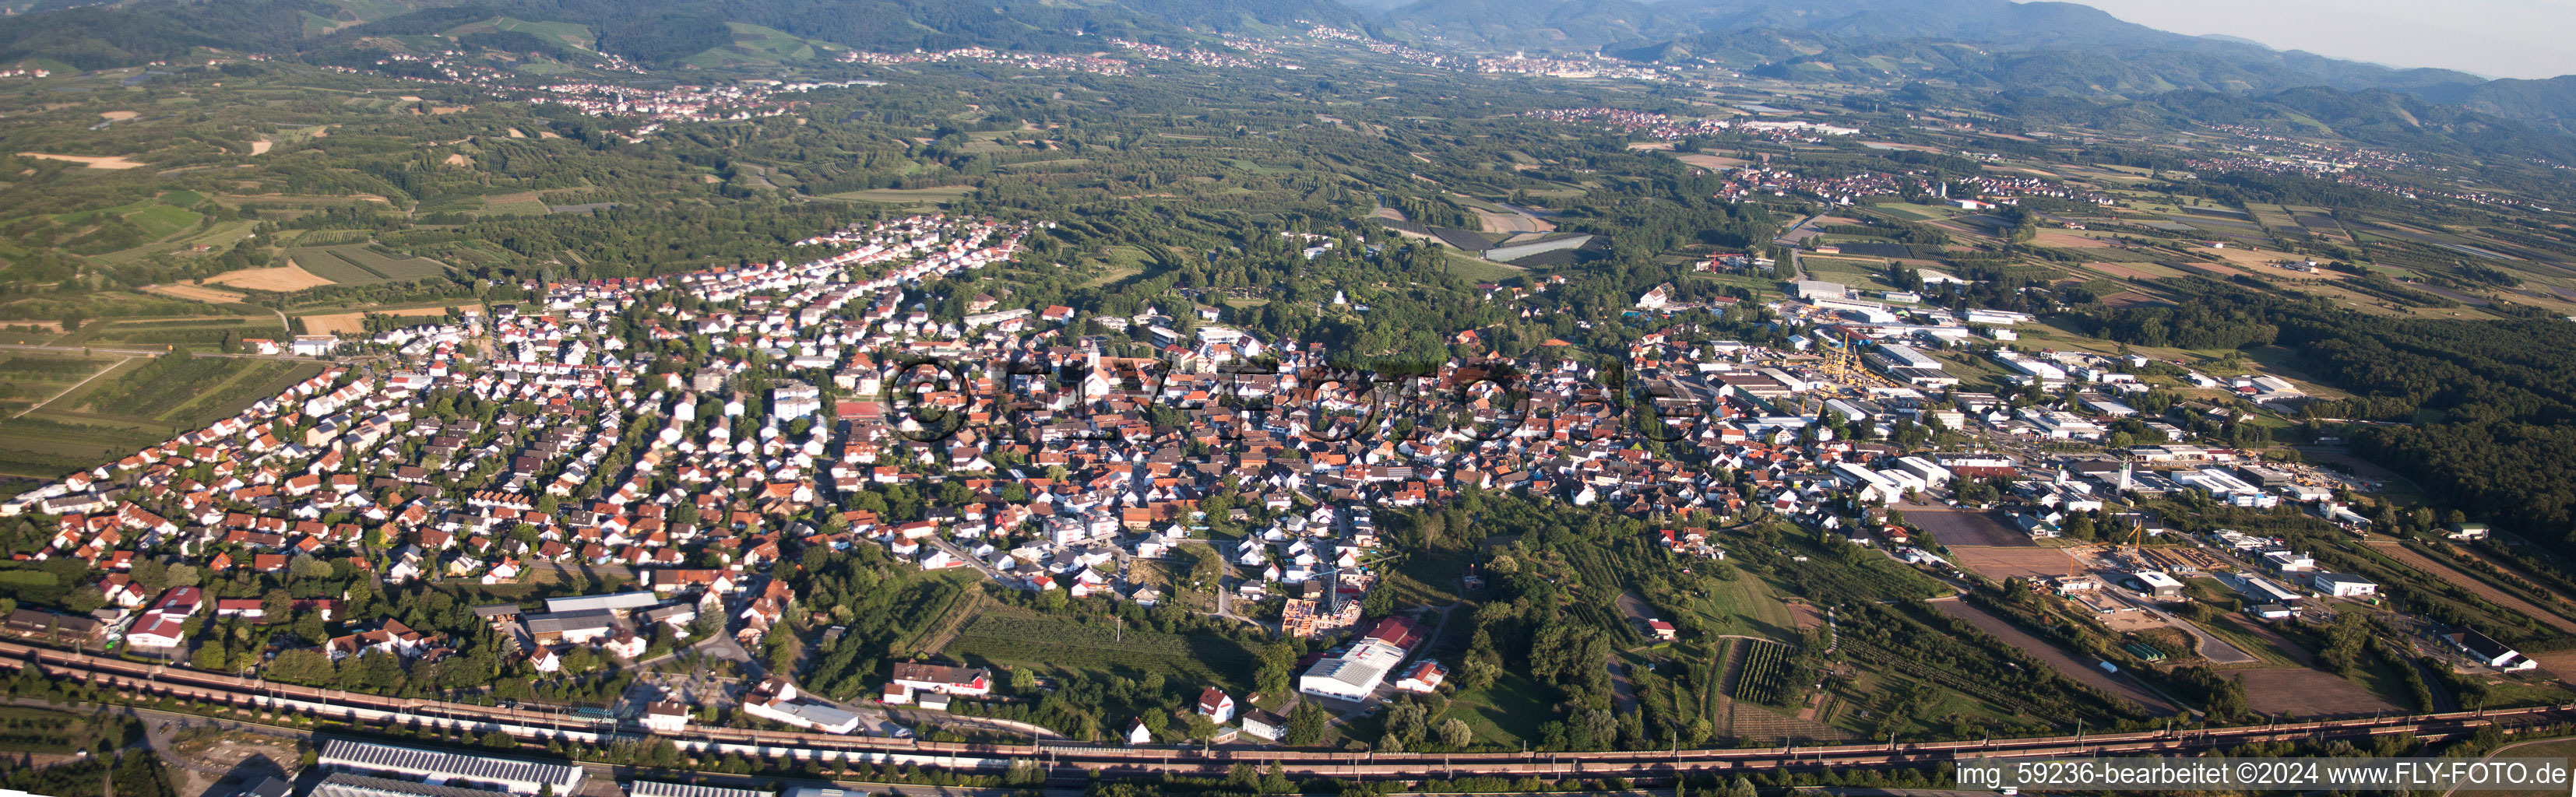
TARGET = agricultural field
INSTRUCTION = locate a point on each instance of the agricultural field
(279, 279)
(1023, 638)
(203, 333)
(225, 384)
(132, 405)
(101, 305)
(1762, 675)
(905, 196)
(356, 323)
(2482, 589)
(29, 378)
(361, 264)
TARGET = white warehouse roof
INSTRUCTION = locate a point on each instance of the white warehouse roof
(527, 777)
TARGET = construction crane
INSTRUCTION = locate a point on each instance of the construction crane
(1840, 364)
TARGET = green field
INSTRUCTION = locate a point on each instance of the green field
(30, 377)
(1505, 713)
(134, 405)
(102, 304)
(754, 45)
(573, 34)
(1748, 606)
(223, 385)
(1019, 637)
(362, 264)
(905, 196)
(204, 333)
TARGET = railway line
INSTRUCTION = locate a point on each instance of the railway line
(1076, 760)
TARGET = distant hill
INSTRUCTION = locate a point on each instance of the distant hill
(2549, 103)
(660, 32)
(1986, 45)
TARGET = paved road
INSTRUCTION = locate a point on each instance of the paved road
(980, 565)
(2216, 650)
(1621, 689)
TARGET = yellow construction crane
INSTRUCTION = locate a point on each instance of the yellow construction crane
(1840, 364)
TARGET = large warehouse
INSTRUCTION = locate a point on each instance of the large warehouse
(438, 768)
(342, 784)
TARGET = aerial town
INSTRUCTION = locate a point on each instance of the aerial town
(785, 398)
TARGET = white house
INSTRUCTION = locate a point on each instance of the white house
(1216, 705)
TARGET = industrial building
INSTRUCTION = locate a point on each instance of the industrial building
(655, 788)
(618, 602)
(2342, 585)
(572, 627)
(776, 700)
(1354, 675)
(1357, 672)
(343, 784)
(444, 769)
(2158, 583)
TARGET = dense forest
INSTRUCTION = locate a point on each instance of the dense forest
(2480, 413)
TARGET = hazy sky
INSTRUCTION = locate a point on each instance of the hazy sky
(2496, 38)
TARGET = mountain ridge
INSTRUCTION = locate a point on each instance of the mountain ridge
(2042, 46)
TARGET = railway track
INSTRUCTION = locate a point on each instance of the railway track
(1071, 759)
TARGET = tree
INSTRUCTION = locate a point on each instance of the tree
(1380, 601)
(211, 657)
(140, 775)
(1307, 724)
(1741, 787)
(276, 605)
(85, 600)
(1455, 733)
(1278, 668)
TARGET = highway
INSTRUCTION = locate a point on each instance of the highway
(1067, 762)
